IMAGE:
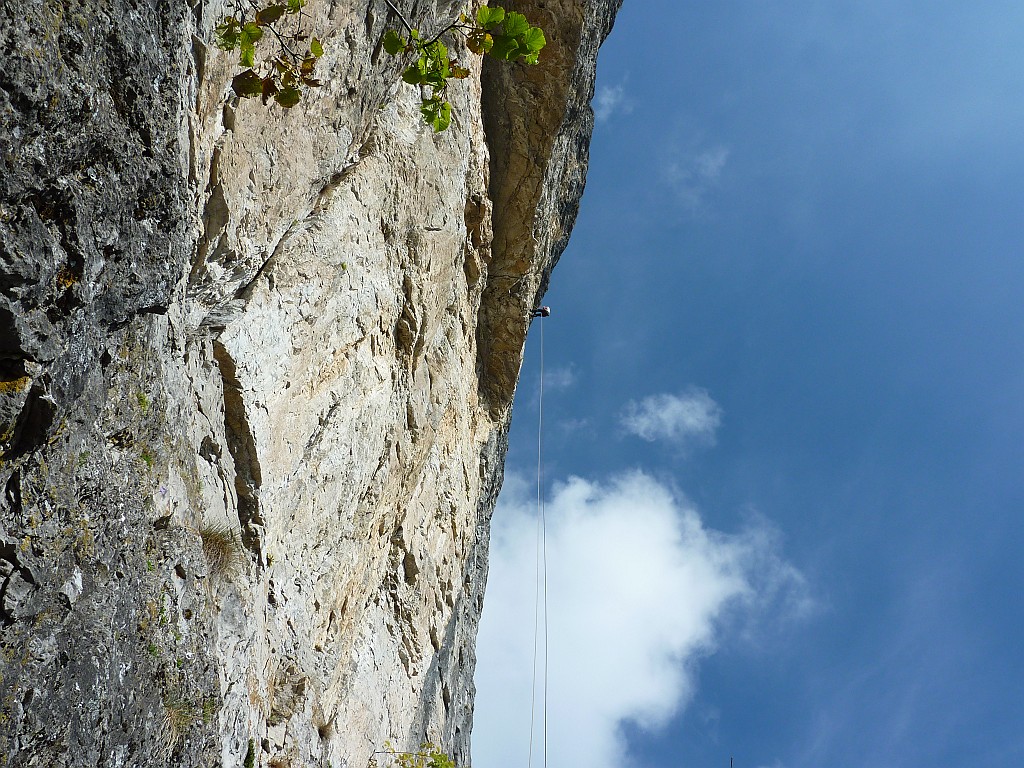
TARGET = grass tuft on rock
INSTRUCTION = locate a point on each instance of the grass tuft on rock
(179, 715)
(222, 550)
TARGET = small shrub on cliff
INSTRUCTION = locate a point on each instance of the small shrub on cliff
(221, 550)
(504, 36)
(428, 756)
(179, 715)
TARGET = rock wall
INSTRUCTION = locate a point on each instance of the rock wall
(256, 369)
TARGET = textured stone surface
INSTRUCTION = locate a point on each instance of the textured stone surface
(255, 376)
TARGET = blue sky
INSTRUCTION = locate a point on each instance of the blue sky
(784, 401)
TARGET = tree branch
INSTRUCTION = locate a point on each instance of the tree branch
(400, 15)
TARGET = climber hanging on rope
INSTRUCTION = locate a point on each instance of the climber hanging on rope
(540, 312)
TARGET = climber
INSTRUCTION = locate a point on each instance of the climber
(540, 312)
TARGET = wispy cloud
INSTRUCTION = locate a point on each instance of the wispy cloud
(694, 173)
(573, 426)
(610, 99)
(684, 419)
(637, 587)
(559, 377)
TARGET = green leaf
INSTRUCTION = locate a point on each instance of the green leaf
(317, 48)
(270, 14)
(247, 84)
(515, 24)
(412, 75)
(439, 61)
(252, 32)
(247, 38)
(437, 113)
(488, 17)
(429, 107)
(247, 57)
(294, 6)
(288, 97)
(505, 48)
(394, 43)
(226, 34)
(533, 39)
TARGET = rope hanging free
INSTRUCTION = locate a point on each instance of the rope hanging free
(541, 585)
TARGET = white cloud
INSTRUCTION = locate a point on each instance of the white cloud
(691, 417)
(573, 426)
(637, 586)
(693, 174)
(559, 377)
(610, 99)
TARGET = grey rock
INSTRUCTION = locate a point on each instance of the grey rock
(256, 372)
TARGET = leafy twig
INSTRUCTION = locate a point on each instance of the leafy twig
(286, 74)
(506, 36)
(428, 756)
(401, 16)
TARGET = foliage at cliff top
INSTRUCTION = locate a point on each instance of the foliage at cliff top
(285, 74)
(505, 36)
(289, 70)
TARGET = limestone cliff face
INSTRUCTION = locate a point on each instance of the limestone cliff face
(256, 369)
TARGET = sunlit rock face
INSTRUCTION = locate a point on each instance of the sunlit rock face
(256, 369)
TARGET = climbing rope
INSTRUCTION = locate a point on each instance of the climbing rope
(541, 582)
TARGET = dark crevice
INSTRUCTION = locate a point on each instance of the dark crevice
(12, 492)
(242, 447)
(14, 571)
(34, 423)
(11, 345)
(153, 309)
